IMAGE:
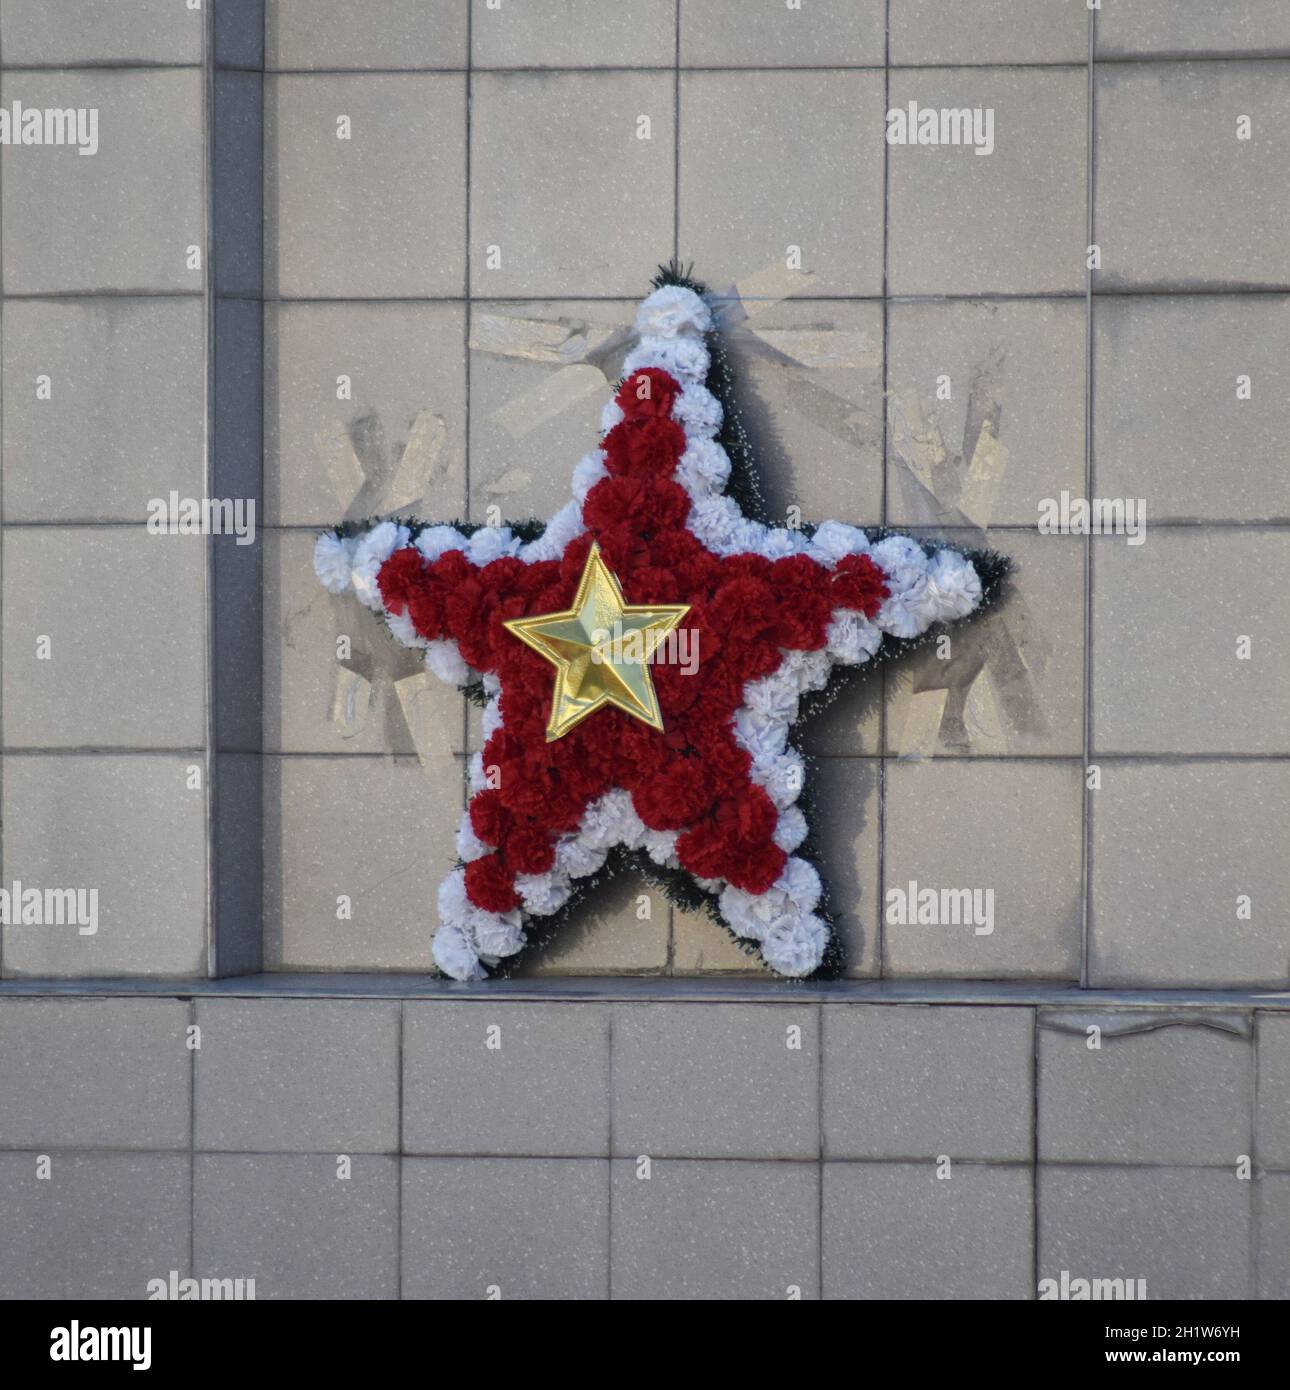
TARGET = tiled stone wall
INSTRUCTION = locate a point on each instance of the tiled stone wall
(511, 132)
(349, 1148)
(106, 780)
(469, 389)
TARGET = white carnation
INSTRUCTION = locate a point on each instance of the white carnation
(795, 947)
(497, 935)
(670, 311)
(372, 551)
(575, 858)
(715, 522)
(469, 846)
(704, 467)
(778, 542)
(781, 777)
(436, 541)
(611, 820)
(901, 557)
(587, 472)
(764, 738)
(610, 415)
(774, 696)
(833, 540)
(491, 543)
(809, 669)
(400, 625)
(907, 611)
(851, 638)
(452, 952)
(445, 661)
(563, 527)
(800, 884)
(491, 718)
(686, 359)
(454, 905)
(954, 585)
(790, 831)
(660, 845)
(543, 894)
(698, 411)
(749, 915)
(334, 561)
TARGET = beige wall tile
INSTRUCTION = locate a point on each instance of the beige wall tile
(762, 170)
(1168, 618)
(396, 444)
(1170, 426)
(399, 229)
(1013, 221)
(1012, 431)
(1180, 202)
(562, 185)
(130, 826)
(377, 830)
(823, 33)
(1013, 681)
(378, 699)
(117, 605)
(1011, 826)
(1176, 849)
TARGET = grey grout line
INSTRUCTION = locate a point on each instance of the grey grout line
(401, 1145)
(456, 1156)
(676, 138)
(1256, 1176)
(73, 294)
(209, 616)
(819, 1167)
(1034, 1152)
(880, 927)
(389, 755)
(419, 985)
(1003, 528)
(192, 1145)
(609, 1165)
(1086, 838)
(627, 297)
(574, 70)
(468, 319)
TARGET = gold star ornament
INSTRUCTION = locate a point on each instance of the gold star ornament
(600, 648)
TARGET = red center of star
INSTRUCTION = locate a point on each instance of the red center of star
(692, 776)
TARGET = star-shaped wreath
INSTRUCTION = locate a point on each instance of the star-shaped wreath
(642, 658)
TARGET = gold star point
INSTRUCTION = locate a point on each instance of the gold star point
(600, 648)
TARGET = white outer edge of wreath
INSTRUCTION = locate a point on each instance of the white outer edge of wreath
(925, 590)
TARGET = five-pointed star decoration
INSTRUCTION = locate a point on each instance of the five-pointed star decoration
(598, 739)
(600, 649)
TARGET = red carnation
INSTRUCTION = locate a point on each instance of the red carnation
(734, 842)
(804, 622)
(858, 583)
(425, 608)
(400, 577)
(644, 448)
(638, 505)
(528, 850)
(758, 870)
(796, 572)
(647, 392)
(489, 818)
(673, 796)
(490, 885)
